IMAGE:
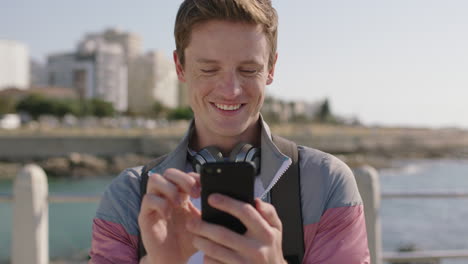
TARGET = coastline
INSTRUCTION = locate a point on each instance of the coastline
(90, 153)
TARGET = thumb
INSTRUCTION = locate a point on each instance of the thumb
(193, 211)
(268, 212)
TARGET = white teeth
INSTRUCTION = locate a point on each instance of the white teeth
(228, 107)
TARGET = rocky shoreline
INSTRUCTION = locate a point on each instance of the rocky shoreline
(356, 146)
(78, 165)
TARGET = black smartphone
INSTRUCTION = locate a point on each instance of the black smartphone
(234, 179)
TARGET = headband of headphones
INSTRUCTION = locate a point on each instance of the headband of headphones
(241, 152)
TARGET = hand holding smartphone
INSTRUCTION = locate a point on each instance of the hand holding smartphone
(234, 179)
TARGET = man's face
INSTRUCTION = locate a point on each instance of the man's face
(226, 71)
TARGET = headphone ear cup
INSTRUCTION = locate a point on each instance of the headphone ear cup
(211, 154)
(246, 152)
(197, 162)
(239, 153)
(254, 156)
(208, 154)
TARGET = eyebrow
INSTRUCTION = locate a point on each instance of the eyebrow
(211, 61)
(254, 62)
(207, 61)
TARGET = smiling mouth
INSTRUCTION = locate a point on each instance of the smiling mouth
(224, 107)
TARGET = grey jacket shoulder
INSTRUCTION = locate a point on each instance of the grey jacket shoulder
(326, 183)
(120, 203)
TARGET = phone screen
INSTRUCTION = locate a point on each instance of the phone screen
(234, 179)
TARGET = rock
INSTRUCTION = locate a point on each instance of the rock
(85, 165)
(357, 160)
(9, 170)
(59, 167)
(122, 162)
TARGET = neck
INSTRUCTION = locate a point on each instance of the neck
(226, 143)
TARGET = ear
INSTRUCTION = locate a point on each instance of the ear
(179, 67)
(271, 71)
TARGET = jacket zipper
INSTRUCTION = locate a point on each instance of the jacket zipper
(276, 179)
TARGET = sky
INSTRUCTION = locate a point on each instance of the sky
(391, 63)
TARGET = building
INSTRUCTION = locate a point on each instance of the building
(38, 73)
(283, 111)
(152, 78)
(109, 65)
(309, 110)
(130, 42)
(60, 68)
(14, 65)
(49, 92)
(97, 70)
(102, 72)
(183, 95)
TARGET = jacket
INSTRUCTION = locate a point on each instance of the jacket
(332, 209)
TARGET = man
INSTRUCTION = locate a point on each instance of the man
(226, 54)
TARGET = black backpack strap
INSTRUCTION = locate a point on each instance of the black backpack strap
(286, 198)
(143, 184)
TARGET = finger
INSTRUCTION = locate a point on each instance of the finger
(186, 182)
(193, 210)
(268, 212)
(151, 203)
(216, 251)
(195, 175)
(245, 212)
(196, 192)
(159, 185)
(219, 234)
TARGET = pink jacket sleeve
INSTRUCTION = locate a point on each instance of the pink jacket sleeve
(112, 244)
(339, 237)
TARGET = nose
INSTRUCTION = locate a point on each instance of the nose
(230, 86)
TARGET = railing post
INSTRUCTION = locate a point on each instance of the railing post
(367, 180)
(30, 241)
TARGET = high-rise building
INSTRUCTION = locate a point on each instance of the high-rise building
(97, 70)
(109, 65)
(110, 72)
(38, 72)
(60, 68)
(130, 42)
(152, 78)
(14, 65)
(183, 95)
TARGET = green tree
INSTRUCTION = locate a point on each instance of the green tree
(324, 114)
(35, 105)
(270, 117)
(101, 108)
(61, 107)
(7, 105)
(300, 118)
(180, 113)
(159, 109)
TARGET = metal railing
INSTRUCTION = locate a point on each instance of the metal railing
(424, 195)
(432, 256)
(84, 198)
(426, 256)
(60, 198)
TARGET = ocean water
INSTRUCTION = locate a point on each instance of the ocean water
(428, 224)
